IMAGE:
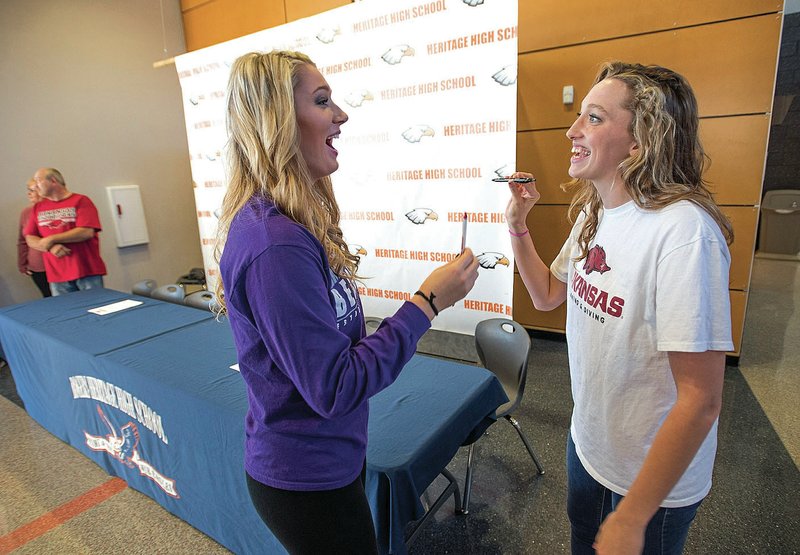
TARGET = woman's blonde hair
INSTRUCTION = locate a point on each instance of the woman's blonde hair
(668, 165)
(264, 158)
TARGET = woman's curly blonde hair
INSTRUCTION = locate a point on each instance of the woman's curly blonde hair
(668, 165)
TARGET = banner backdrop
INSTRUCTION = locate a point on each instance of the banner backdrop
(430, 90)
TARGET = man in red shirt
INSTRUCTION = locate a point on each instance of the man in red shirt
(64, 226)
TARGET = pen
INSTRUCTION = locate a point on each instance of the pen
(464, 232)
(514, 179)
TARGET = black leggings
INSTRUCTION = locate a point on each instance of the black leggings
(313, 522)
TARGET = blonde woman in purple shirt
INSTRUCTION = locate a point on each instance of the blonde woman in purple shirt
(290, 296)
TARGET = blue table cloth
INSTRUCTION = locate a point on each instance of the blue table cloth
(47, 340)
(185, 377)
(148, 394)
(66, 319)
(416, 426)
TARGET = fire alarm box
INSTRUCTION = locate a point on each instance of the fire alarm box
(127, 214)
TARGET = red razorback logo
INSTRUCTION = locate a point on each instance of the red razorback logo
(596, 261)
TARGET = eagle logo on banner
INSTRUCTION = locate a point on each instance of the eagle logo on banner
(415, 133)
(356, 98)
(396, 54)
(489, 260)
(327, 35)
(419, 216)
(357, 250)
(506, 76)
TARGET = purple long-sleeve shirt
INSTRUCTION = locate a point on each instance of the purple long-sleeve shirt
(309, 369)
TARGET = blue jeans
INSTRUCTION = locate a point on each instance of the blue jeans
(589, 502)
(80, 284)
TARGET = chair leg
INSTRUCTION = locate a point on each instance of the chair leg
(456, 492)
(527, 444)
(452, 487)
(464, 509)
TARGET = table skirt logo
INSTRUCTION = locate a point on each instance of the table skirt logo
(124, 448)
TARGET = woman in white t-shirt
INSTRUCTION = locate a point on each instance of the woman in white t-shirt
(644, 273)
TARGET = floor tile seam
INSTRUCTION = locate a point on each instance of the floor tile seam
(61, 514)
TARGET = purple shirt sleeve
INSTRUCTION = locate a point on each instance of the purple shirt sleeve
(290, 295)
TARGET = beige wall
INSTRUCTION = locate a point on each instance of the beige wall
(80, 94)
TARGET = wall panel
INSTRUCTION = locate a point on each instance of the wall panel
(551, 23)
(738, 305)
(525, 314)
(549, 228)
(546, 154)
(189, 4)
(298, 9)
(743, 219)
(729, 75)
(221, 20)
(737, 149)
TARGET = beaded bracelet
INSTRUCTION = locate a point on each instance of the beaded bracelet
(515, 234)
(430, 301)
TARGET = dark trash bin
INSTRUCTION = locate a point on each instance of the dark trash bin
(780, 222)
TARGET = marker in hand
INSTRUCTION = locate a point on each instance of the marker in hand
(514, 179)
(464, 232)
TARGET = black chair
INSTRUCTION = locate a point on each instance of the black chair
(144, 287)
(171, 293)
(503, 347)
(196, 276)
(372, 324)
(203, 299)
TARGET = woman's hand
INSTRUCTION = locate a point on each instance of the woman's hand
(523, 197)
(617, 536)
(449, 283)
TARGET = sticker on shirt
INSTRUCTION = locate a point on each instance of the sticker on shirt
(595, 303)
(57, 218)
(343, 293)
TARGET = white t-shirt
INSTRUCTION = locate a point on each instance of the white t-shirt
(654, 281)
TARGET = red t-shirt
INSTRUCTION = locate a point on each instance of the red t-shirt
(50, 217)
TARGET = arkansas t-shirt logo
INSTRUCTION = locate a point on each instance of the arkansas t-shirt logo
(596, 261)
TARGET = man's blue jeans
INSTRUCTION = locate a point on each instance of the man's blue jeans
(589, 502)
(80, 284)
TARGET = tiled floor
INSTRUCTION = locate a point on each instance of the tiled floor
(753, 507)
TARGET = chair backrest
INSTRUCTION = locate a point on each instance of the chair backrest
(171, 293)
(503, 346)
(196, 276)
(200, 299)
(372, 323)
(144, 287)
